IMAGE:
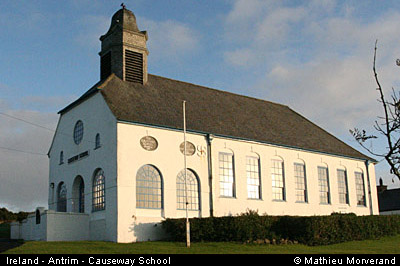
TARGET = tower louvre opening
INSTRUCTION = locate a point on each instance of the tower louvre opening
(105, 66)
(133, 66)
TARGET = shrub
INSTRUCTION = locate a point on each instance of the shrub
(310, 230)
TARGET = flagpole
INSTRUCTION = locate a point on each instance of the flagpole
(184, 161)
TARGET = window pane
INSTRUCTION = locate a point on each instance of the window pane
(323, 183)
(226, 178)
(300, 179)
(192, 188)
(98, 191)
(148, 188)
(360, 189)
(253, 177)
(278, 185)
(342, 186)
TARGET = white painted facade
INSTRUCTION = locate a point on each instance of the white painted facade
(169, 161)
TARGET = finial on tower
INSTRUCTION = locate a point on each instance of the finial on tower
(123, 6)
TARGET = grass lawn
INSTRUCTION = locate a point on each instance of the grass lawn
(387, 245)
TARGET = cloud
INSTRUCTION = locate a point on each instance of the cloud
(318, 63)
(24, 167)
(276, 25)
(91, 27)
(241, 57)
(170, 39)
(46, 103)
(316, 57)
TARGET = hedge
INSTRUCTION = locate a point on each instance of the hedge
(309, 230)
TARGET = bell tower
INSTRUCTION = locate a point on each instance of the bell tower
(123, 49)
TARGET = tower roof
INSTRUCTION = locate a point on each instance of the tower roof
(123, 19)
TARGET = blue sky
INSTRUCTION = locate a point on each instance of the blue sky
(315, 56)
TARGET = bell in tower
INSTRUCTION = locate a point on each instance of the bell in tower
(123, 49)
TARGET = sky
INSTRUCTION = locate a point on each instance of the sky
(314, 56)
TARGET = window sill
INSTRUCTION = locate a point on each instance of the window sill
(275, 200)
(93, 211)
(255, 199)
(226, 197)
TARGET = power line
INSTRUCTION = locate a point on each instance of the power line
(43, 127)
(28, 152)
(20, 119)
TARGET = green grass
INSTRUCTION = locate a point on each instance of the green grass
(5, 230)
(386, 245)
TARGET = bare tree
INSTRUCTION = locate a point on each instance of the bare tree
(388, 126)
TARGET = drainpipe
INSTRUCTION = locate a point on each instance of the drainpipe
(369, 188)
(210, 176)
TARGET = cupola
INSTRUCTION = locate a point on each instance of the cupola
(123, 49)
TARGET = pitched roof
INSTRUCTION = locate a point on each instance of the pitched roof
(389, 200)
(159, 102)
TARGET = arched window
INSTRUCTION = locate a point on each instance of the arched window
(278, 179)
(37, 217)
(78, 195)
(192, 187)
(148, 188)
(97, 141)
(61, 197)
(98, 191)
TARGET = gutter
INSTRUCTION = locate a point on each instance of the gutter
(369, 188)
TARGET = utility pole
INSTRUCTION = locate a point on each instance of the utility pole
(186, 191)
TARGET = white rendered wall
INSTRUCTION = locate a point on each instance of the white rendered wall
(96, 118)
(67, 226)
(53, 226)
(167, 158)
(134, 224)
(241, 149)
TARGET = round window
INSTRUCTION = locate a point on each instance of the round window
(78, 132)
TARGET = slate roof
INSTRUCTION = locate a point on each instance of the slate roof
(389, 200)
(159, 102)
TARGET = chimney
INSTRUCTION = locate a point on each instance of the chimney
(123, 49)
(381, 188)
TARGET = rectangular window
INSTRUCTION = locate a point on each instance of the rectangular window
(342, 186)
(360, 189)
(253, 177)
(226, 175)
(323, 183)
(278, 183)
(301, 185)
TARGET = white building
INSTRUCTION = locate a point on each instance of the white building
(116, 160)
